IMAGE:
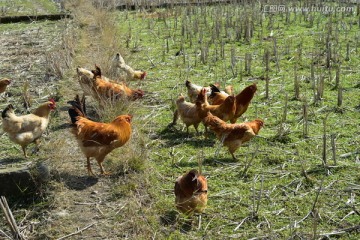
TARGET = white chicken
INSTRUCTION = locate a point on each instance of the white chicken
(27, 129)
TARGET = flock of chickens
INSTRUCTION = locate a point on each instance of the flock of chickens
(207, 105)
(213, 108)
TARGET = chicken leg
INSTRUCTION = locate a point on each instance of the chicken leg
(90, 172)
(24, 150)
(103, 172)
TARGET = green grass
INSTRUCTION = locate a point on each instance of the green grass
(27, 7)
(285, 190)
(270, 190)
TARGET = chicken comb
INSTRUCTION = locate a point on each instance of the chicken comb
(52, 101)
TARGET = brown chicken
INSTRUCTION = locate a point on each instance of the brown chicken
(188, 113)
(243, 99)
(216, 96)
(233, 135)
(191, 192)
(3, 84)
(225, 111)
(133, 74)
(85, 78)
(27, 129)
(97, 139)
(103, 90)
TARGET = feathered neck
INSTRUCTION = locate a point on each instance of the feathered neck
(247, 94)
(256, 125)
(43, 110)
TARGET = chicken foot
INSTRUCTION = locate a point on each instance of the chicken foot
(37, 146)
(103, 172)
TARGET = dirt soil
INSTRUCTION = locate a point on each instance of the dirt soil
(74, 200)
(24, 52)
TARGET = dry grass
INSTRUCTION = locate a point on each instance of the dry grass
(278, 189)
(98, 39)
(103, 204)
(110, 203)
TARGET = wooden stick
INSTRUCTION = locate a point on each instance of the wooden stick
(199, 223)
(317, 196)
(248, 63)
(347, 58)
(340, 97)
(5, 234)
(333, 148)
(241, 223)
(200, 161)
(337, 76)
(267, 86)
(77, 232)
(342, 231)
(296, 84)
(10, 218)
(276, 55)
(260, 195)
(7, 217)
(248, 163)
(305, 120)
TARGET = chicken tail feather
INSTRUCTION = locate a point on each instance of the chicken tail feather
(214, 89)
(8, 108)
(77, 109)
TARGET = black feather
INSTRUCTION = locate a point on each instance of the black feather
(96, 72)
(83, 104)
(73, 115)
(4, 113)
(187, 83)
(78, 108)
(214, 89)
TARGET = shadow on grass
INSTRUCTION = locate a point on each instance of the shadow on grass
(186, 226)
(187, 164)
(169, 218)
(172, 218)
(215, 161)
(75, 182)
(319, 170)
(209, 161)
(175, 137)
(11, 160)
(62, 126)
